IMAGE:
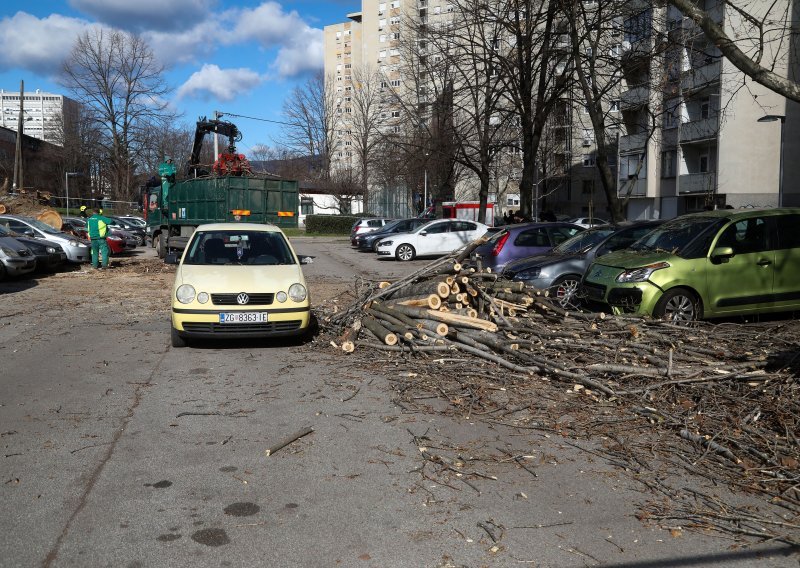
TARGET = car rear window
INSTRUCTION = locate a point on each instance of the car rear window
(258, 248)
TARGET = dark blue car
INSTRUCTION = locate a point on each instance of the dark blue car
(367, 241)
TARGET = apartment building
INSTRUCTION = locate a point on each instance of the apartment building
(683, 121)
(691, 135)
(42, 113)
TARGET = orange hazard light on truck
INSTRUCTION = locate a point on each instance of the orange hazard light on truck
(240, 212)
(285, 213)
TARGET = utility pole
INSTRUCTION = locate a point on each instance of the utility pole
(18, 183)
(217, 116)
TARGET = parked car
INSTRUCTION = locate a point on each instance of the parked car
(74, 226)
(137, 232)
(587, 222)
(15, 258)
(133, 220)
(368, 241)
(49, 255)
(77, 249)
(365, 226)
(513, 242)
(431, 239)
(238, 280)
(704, 265)
(560, 271)
(118, 240)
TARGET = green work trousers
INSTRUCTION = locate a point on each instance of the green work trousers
(99, 247)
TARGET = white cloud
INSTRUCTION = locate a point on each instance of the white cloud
(141, 15)
(184, 46)
(304, 54)
(221, 84)
(39, 45)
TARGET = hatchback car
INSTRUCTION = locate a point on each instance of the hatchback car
(513, 242)
(587, 222)
(560, 271)
(238, 280)
(705, 265)
(431, 239)
(366, 225)
(77, 249)
(49, 255)
(15, 258)
(369, 241)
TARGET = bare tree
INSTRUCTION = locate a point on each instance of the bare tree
(310, 110)
(363, 119)
(117, 77)
(767, 35)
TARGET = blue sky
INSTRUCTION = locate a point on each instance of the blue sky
(240, 57)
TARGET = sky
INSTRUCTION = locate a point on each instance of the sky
(241, 57)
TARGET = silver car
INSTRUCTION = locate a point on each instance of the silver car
(77, 250)
(15, 258)
(560, 271)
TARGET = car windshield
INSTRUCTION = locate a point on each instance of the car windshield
(583, 241)
(258, 248)
(44, 227)
(676, 236)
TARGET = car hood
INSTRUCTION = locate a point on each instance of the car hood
(633, 259)
(236, 278)
(13, 243)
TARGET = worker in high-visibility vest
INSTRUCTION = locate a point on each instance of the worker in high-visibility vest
(97, 227)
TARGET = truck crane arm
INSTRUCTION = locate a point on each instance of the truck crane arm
(205, 126)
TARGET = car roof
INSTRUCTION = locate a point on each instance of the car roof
(264, 227)
(744, 213)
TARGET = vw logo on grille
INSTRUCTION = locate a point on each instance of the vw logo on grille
(242, 298)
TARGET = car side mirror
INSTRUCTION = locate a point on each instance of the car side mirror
(423, 233)
(305, 259)
(721, 254)
(171, 258)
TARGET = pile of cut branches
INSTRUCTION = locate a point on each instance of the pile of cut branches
(724, 397)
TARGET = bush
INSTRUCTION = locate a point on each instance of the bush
(330, 224)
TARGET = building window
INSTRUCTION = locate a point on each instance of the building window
(705, 108)
(395, 4)
(395, 82)
(382, 22)
(382, 7)
(588, 137)
(704, 162)
(614, 105)
(395, 114)
(382, 38)
(307, 205)
(588, 160)
(668, 160)
(587, 187)
(382, 53)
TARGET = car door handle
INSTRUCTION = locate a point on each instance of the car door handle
(764, 262)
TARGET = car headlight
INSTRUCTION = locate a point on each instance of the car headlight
(7, 251)
(74, 243)
(641, 274)
(385, 244)
(281, 296)
(202, 297)
(529, 274)
(51, 250)
(297, 292)
(185, 293)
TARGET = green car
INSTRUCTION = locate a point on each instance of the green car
(704, 265)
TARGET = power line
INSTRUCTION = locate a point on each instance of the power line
(256, 118)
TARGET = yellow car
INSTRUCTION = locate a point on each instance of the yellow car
(238, 280)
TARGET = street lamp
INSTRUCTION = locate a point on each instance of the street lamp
(773, 118)
(425, 185)
(66, 185)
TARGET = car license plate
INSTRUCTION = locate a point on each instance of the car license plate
(243, 317)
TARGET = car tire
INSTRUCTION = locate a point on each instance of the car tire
(176, 340)
(162, 245)
(565, 289)
(405, 252)
(678, 305)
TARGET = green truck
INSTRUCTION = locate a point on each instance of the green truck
(230, 193)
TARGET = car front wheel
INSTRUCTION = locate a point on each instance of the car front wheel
(564, 290)
(678, 305)
(405, 252)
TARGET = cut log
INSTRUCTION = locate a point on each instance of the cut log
(422, 289)
(347, 339)
(450, 319)
(379, 331)
(440, 328)
(432, 301)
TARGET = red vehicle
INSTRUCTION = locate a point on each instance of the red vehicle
(461, 210)
(77, 227)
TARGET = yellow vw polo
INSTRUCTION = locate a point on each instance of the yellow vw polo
(238, 280)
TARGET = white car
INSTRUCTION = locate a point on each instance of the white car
(431, 239)
(588, 222)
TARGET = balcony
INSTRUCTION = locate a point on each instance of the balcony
(634, 97)
(699, 130)
(697, 183)
(634, 188)
(700, 77)
(632, 142)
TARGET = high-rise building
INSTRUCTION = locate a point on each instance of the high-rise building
(42, 113)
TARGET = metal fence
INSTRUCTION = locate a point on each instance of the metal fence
(393, 202)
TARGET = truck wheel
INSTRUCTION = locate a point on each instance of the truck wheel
(678, 305)
(176, 340)
(162, 245)
(405, 252)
